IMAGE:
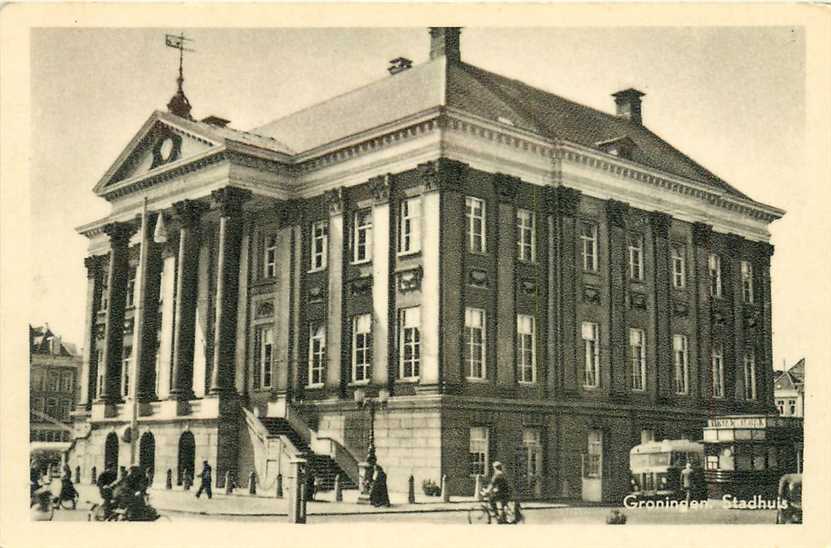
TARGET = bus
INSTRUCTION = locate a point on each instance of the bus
(655, 469)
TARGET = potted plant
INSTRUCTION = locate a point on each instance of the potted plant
(430, 488)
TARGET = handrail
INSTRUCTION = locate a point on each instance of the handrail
(340, 454)
(343, 458)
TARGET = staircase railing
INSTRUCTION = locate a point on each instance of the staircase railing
(323, 444)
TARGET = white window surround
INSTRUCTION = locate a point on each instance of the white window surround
(475, 344)
(591, 360)
(526, 348)
(750, 374)
(587, 236)
(317, 355)
(637, 359)
(319, 251)
(526, 235)
(478, 451)
(634, 246)
(714, 271)
(680, 361)
(409, 344)
(269, 257)
(747, 282)
(717, 370)
(362, 236)
(409, 226)
(476, 224)
(679, 266)
(361, 349)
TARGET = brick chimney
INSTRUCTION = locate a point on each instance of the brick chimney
(444, 41)
(628, 104)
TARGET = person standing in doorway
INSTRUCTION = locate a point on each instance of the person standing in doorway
(205, 484)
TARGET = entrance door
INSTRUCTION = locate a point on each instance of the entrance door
(531, 462)
(147, 454)
(593, 467)
(111, 452)
(187, 456)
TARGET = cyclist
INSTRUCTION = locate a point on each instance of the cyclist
(498, 491)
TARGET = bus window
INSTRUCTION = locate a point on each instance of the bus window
(759, 457)
(773, 461)
(712, 462)
(659, 459)
(743, 456)
(679, 459)
(694, 458)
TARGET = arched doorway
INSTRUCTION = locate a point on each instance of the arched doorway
(147, 454)
(187, 456)
(111, 451)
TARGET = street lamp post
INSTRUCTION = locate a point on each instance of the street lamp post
(367, 467)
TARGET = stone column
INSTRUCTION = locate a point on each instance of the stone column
(699, 370)
(230, 200)
(616, 213)
(90, 366)
(119, 234)
(334, 377)
(285, 299)
(146, 334)
(764, 362)
(381, 238)
(168, 299)
(734, 361)
(568, 201)
(506, 189)
(661, 223)
(554, 361)
(189, 213)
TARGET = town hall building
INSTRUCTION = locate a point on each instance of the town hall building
(443, 268)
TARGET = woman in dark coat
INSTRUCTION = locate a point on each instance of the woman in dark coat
(378, 494)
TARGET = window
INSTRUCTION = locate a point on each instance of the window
(679, 267)
(717, 366)
(791, 407)
(680, 363)
(634, 243)
(105, 289)
(780, 404)
(750, 375)
(52, 408)
(478, 454)
(320, 245)
(131, 286)
(157, 360)
(270, 257)
(526, 342)
(99, 377)
(66, 408)
(714, 265)
(591, 350)
(362, 236)
(526, 235)
(361, 347)
(475, 343)
(263, 354)
(66, 381)
(54, 380)
(747, 282)
(594, 467)
(37, 380)
(588, 246)
(409, 343)
(475, 215)
(637, 357)
(317, 354)
(40, 405)
(125, 370)
(409, 229)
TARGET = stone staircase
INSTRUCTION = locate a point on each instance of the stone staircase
(324, 467)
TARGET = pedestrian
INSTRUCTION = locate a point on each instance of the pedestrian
(499, 492)
(310, 482)
(687, 482)
(106, 481)
(205, 482)
(187, 479)
(378, 494)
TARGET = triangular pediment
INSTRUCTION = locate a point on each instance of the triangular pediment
(164, 139)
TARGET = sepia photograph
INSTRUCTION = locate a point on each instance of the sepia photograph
(426, 275)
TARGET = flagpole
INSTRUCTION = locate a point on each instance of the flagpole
(138, 332)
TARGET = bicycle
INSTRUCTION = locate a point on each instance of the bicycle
(484, 514)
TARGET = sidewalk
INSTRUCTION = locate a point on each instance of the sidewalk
(243, 504)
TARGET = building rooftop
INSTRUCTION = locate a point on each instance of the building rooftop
(43, 341)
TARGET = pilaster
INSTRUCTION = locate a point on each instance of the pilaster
(506, 190)
(616, 213)
(334, 375)
(568, 202)
(382, 236)
(661, 223)
(700, 382)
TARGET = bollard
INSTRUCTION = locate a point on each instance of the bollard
(77, 474)
(93, 476)
(477, 488)
(168, 481)
(252, 483)
(279, 486)
(338, 489)
(411, 490)
(445, 494)
(296, 502)
(229, 483)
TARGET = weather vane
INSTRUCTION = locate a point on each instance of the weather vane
(179, 104)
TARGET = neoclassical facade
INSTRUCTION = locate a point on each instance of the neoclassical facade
(507, 274)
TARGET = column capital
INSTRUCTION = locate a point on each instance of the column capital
(379, 187)
(702, 233)
(443, 174)
(289, 213)
(506, 187)
(119, 233)
(616, 213)
(335, 199)
(568, 200)
(93, 264)
(660, 223)
(230, 199)
(189, 211)
(764, 250)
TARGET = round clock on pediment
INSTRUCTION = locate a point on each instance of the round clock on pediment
(166, 148)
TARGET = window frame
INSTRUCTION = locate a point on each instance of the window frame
(588, 245)
(684, 366)
(269, 256)
(749, 367)
(717, 370)
(366, 350)
(264, 357)
(409, 226)
(591, 353)
(526, 344)
(634, 253)
(747, 282)
(317, 356)
(126, 362)
(67, 382)
(714, 272)
(53, 381)
(637, 359)
(594, 453)
(470, 224)
(414, 362)
(470, 343)
(132, 273)
(526, 250)
(679, 266)
(478, 451)
(360, 230)
(319, 234)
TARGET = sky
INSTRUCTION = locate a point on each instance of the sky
(732, 98)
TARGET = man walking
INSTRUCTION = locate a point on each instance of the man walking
(206, 480)
(687, 482)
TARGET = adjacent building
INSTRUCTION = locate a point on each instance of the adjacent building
(505, 274)
(54, 373)
(789, 390)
